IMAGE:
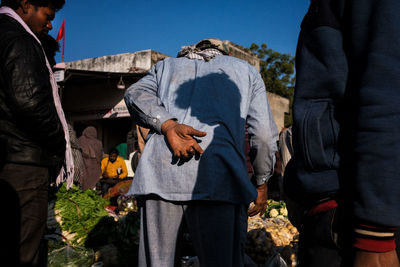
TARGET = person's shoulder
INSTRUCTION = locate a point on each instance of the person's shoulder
(12, 31)
(160, 64)
(9, 24)
(222, 59)
(170, 63)
(14, 43)
(167, 60)
(22, 41)
(231, 59)
(121, 159)
(173, 61)
(237, 63)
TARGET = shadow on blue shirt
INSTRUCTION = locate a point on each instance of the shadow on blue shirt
(214, 101)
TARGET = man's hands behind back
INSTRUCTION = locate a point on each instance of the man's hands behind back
(180, 138)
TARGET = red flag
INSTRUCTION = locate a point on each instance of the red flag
(61, 35)
(61, 32)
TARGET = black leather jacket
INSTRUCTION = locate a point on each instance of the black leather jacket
(30, 130)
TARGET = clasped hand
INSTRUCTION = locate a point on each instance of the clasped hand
(180, 138)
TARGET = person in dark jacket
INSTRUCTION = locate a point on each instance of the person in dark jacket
(32, 136)
(345, 169)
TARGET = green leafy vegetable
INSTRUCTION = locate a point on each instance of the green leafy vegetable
(80, 211)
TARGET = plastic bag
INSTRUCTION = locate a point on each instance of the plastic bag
(71, 257)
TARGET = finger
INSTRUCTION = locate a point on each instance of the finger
(250, 212)
(264, 207)
(198, 133)
(197, 148)
(181, 162)
(184, 155)
(186, 158)
(262, 211)
(177, 154)
(253, 211)
(191, 151)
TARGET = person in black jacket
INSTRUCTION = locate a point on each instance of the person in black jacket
(32, 137)
(346, 133)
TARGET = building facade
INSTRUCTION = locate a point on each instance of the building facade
(92, 92)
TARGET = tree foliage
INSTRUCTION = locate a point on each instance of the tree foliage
(277, 71)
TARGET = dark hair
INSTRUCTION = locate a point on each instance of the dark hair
(14, 4)
(50, 47)
(113, 151)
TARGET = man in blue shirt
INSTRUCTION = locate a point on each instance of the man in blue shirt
(193, 167)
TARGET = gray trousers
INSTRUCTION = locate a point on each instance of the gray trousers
(218, 231)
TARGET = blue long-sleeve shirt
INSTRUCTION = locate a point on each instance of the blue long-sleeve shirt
(217, 97)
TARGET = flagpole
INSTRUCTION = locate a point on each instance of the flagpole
(62, 56)
(61, 35)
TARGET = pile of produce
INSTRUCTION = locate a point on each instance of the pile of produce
(80, 230)
(116, 242)
(276, 209)
(53, 232)
(78, 212)
(120, 188)
(126, 204)
(71, 257)
(271, 234)
(79, 218)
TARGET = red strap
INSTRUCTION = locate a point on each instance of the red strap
(322, 207)
(374, 245)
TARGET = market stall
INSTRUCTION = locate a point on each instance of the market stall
(85, 229)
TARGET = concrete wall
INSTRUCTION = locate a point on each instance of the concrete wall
(279, 106)
(239, 52)
(140, 61)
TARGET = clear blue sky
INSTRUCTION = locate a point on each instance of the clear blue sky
(107, 27)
